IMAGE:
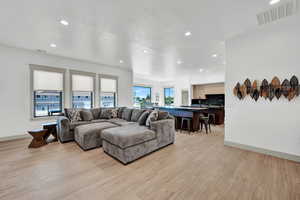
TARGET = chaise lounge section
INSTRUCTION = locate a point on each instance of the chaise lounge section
(125, 134)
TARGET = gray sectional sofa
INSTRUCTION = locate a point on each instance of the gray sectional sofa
(125, 134)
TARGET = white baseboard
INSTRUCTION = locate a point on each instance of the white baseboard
(9, 138)
(263, 151)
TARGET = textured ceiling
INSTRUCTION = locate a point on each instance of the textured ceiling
(107, 31)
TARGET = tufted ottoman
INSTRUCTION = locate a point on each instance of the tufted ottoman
(88, 136)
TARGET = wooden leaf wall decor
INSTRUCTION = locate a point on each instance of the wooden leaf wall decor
(254, 91)
(277, 87)
(264, 89)
(285, 88)
(288, 88)
(247, 83)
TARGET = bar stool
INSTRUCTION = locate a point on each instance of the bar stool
(188, 121)
(206, 122)
(212, 118)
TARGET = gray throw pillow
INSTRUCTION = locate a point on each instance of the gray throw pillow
(86, 115)
(142, 119)
(162, 115)
(126, 114)
(152, 117)
(106, 113)
(74, 115)
(96, 112)
(120, 111)
(136, 113)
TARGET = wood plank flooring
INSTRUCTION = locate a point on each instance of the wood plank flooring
(196, 167)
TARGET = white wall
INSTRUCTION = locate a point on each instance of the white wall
(272, 50)
(15, 86)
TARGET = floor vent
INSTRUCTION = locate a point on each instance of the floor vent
(283, 10)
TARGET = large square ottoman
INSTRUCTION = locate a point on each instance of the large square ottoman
(128, 143)
(88, 136)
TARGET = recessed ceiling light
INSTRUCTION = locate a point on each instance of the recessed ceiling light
(188, 33)
(272, 2)
(145, 51)
(179, 62)
(214, 55)
(64, 22)
(53, 45)
(201, 70)
(121, 61)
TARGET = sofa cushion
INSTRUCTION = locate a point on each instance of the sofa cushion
(73, 114)
(86, 115)
(73, 125)
(128, 136)
(126, 114)
(99, 120)
(162, 115)
(135, 115)
(153, 116)
(106, 113)
(120, 122)
(142, 119)
(96, 112)
(89, 136)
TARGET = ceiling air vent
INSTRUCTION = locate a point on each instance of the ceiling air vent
(283, 10)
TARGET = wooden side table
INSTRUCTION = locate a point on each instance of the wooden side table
(51, 127)
(38, 138)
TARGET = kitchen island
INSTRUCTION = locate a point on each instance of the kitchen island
(194, 113)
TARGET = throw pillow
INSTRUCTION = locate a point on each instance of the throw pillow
(126, 114)
(136, 113)
(106, 113)
(96, 112)
(162, 115)
(86, 115)
(152, 117)
(120, 111)
(74, 115)
(114, 113)
(142, 119)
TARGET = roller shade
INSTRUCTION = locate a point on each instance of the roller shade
(108, 85)
(82, 83)
(45, 80)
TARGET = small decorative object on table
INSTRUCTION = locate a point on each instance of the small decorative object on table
(51, 127)
(38, 138)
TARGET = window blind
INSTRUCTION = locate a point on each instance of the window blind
(45, 80)
(108, 85)
(82, 83)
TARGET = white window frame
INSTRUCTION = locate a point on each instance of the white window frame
(117, 87)
(90, 74)
(33, 68)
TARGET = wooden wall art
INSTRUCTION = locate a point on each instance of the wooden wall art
(288, 88)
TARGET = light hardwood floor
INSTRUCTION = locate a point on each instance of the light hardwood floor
(196, 167)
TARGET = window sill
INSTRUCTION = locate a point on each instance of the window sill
(44, 118)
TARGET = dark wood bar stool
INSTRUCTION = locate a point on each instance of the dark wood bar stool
(206, 122)
(188, 122)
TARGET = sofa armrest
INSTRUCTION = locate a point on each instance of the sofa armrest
(165, 131)
(63, 128)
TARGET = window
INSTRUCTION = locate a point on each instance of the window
(108, 92)
(82, 90)
(141, 96)
(47, 91)
(169, 96)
